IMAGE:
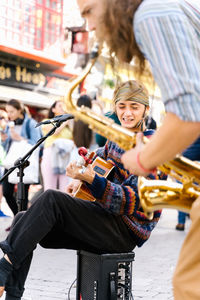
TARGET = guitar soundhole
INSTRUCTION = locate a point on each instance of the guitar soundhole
(99, 170)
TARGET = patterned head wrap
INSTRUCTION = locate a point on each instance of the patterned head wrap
(131, 90)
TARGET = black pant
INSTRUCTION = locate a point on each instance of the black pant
(8, 192)
(16, 280)
(57, 220)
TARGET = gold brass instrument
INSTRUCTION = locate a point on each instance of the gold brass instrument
(98, 123)
(154, 194)
(158, 194)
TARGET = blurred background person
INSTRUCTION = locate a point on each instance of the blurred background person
(150, 123)
(53, 175)
(3, 123)
(20, 127)
(97, 105)
(83, 136)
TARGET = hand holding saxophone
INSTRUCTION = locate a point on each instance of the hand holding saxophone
(133, 155)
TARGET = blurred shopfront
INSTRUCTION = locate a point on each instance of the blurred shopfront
(32, 57)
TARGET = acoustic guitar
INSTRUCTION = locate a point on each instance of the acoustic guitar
(102, 168)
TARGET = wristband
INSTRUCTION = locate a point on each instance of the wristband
(141, 166)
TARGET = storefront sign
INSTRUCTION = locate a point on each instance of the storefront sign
(20, 76)
(25, 78)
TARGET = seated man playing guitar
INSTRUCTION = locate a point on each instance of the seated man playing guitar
(113, 223)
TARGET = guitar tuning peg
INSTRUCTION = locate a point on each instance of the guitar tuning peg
(82, 151)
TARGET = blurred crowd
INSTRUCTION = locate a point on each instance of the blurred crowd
(18, 129)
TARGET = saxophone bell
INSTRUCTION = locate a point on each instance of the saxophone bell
(159, 194)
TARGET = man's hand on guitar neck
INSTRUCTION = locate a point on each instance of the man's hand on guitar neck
(82, 173)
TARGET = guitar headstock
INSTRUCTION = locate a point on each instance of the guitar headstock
(86, 155)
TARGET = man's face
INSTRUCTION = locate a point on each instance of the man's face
(129, 113)
(92, 11)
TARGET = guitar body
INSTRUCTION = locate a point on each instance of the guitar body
(102, 168)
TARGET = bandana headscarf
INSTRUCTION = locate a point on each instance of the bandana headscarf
(131, 90)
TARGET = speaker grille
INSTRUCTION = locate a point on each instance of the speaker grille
(93, 275)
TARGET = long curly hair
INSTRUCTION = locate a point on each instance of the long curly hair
(117, 31)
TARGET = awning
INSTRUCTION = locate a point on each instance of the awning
(46, 58)
(27, 97)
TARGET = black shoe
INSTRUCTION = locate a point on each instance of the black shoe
(180, 227)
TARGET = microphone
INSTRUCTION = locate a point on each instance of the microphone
(60, 119)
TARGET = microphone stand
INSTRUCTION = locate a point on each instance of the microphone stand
(22, 162)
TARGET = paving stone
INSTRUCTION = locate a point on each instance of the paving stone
(53, 271)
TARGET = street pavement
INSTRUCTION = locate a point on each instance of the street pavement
(53, 272)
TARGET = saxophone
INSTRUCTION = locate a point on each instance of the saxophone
(154, 194)
(102, 125)
(158, 194)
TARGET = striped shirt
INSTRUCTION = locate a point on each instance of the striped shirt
(168, 34)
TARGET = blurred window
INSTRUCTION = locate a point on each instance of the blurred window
(36, 23)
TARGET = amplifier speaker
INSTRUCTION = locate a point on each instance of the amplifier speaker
(104, 276)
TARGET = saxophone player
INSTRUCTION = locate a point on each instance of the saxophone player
(167, 35)
(114, 223)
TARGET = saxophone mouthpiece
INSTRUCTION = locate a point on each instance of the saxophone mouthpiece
(95, 51)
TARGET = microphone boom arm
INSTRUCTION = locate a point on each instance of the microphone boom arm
(60, 118)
